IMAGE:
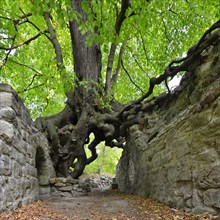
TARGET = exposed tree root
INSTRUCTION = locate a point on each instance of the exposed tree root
(68, 132)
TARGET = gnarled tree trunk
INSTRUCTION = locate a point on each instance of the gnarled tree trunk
(68, 131)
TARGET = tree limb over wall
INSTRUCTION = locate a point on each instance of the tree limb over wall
(68, 131)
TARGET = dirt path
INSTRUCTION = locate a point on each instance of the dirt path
(98, 205)
(114, 205)
(104, 205)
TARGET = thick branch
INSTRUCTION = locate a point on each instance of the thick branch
(115, 76)
(88, 68)
(171, 70)
(92, 148)
(119, 21)
(109, 68)
(54, 41)
(121, 17)
(119, 143)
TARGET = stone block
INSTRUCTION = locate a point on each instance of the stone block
(4, 148)
(199, 120)
(166, 158)
(9, 196)
(75, 194)
(66, 194)
(20, 158)
(24, 134)
(170, 137)
(6, 88)
(65, 188)
(30, 150)
(8, 115)
(25, 183)
(6, 131)
(156, 161)
(207, 177)
(171, 175)
(2, 182)
(16, 169)
(189, 203)
(180, 202)
(55, 194)
(212, 198)
(184, 175)
(1, 192)
(72, 181)
(13, 188)
(79, 190)
(5, 165)
(59, 184)
(29, 199)
(52, 181)
(184, 189)
(209, 155)
(203, 209)
(2, 206)
(29, 170)
(6, 99)
(43, 180)
(20, 145)
(44, 190)
(67, 181)
(182, 149)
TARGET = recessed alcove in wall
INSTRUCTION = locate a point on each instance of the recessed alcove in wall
(41, 166)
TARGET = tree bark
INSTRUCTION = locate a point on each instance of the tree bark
(68, 137)
(68, 132)
(87, 60)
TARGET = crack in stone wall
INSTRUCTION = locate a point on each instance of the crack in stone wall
(176, 157)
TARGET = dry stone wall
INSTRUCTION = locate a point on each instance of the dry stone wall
(26, 170)
(69, 187)
(25, 167)
(175, 158)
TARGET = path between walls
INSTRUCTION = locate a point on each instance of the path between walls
(101, 204)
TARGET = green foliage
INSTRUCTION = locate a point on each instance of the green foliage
(153, 34)
(31, 69)
(106, 161)
(162, 31)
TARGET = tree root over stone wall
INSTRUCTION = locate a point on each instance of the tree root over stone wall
(68, 131)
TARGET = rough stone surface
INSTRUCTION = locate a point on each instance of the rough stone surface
(176, 157)
(68, 187)
(99, 182)
(25, 166)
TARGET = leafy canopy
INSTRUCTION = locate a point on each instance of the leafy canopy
(153, 33)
